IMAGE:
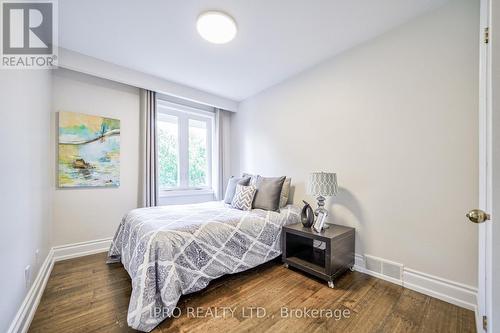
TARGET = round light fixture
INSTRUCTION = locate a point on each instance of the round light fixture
(216, 27)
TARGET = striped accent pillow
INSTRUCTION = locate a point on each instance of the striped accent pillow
(243, 198)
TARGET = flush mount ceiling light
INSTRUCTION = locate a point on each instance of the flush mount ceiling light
(216, 27)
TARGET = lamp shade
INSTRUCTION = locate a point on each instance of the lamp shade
(322, 184)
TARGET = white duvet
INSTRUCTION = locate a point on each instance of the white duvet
(170, 251)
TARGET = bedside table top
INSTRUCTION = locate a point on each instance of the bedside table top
(333, 231)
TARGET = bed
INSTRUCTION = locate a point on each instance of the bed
(170, 251)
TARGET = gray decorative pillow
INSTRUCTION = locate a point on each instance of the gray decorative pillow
(243, 197)
(285, 192)
(268, 193)
(231, 187)
(253, 178)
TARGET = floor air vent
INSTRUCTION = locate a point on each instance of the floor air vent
(385, 267)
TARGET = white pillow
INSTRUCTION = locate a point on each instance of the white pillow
(243, 198)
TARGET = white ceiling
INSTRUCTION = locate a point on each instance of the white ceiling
(276, 38)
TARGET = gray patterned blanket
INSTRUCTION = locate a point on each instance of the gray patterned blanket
(171, 251)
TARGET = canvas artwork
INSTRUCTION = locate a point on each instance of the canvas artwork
(89, 150)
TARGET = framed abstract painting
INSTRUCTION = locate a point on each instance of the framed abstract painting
(88, 151)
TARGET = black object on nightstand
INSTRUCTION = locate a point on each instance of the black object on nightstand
(328, 261)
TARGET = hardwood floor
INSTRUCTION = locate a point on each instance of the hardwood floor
(86, 295)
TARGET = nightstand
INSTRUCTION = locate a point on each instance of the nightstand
(328, 261)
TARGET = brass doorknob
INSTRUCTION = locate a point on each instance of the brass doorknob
(477, 216)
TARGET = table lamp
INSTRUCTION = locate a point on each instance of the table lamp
(321, 185)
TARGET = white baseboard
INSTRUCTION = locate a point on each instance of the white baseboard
(69, 251)
(26, 312)
(446, 290)
(449, 291)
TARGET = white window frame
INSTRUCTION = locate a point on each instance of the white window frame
(184, 114)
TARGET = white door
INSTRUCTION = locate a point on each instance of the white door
(488, 316)
(493, 229)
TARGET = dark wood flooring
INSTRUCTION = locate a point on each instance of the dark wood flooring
(86, 295)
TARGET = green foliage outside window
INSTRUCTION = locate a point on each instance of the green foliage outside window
(168, 168)
(197, 158)
(167, 158)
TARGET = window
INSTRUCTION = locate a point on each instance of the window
(184, 138)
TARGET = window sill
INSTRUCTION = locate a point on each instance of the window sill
(185, 193)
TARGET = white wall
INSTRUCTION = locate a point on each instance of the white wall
(396, 118)
(94, 213)
(25, 178)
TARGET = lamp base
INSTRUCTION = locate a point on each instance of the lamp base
(321, 215)
(321, 206)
